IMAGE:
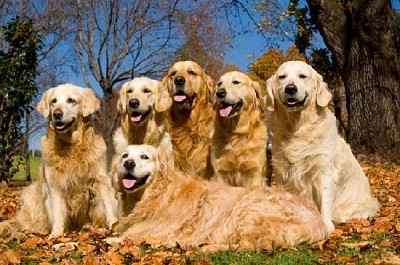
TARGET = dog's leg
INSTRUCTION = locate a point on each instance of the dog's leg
(55, 206)
(110, 204)
(57, 212)
(326, 199)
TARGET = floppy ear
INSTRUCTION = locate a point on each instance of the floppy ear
(121, 105)
(323, 94)
(43, 105)
(165, 164)
(163, 101)
(269, 98)
(259, 95)
(210, 87)
(165, 82)
(90, 103)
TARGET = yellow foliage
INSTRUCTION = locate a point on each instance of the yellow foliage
(265, 66)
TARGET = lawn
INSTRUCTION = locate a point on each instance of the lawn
(357, 241)
(35, 162)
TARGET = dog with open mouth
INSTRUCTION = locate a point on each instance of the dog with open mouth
(142, 104)
(239, 142)
(309, 156)
(131, 177)
(73, 188)
(191, 116)
(191, 211)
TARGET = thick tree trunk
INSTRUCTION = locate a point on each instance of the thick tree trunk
(360, 38)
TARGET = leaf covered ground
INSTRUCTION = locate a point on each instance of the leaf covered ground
(354, 242)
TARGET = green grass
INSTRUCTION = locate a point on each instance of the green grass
(35, 163)
(297, 256)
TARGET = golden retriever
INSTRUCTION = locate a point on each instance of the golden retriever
(192, 211)
(142, 105)
(73, 188)
(191, 117)
(239, 142)
(309, 157)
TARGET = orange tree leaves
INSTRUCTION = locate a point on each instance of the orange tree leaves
(358, 241)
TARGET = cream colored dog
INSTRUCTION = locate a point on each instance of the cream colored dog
(191, 118)
(142, 105)
(193, 211)
(309, 156)
(73, 188)
(239, 142)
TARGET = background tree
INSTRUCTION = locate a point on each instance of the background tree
(267, 64)
(116, 40)
(368, 62)
(18, 62)
(203, 41)
(364, 54)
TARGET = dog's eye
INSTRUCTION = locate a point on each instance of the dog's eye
(191, 72)
(144, 157)
(219, 83)
(302, 76)
(130, 90)
(173, 73)
(125, 155)
(235, 82)
(71, 100)
(282, 76)
(54, 100)
(146, 90)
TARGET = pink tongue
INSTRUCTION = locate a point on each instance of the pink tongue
(179, 98)
(225, 112)
(136, 118)
(128, 183)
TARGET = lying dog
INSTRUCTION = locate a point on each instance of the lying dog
(73, 188)
(309, 156)
(193, 211)
(239, 142)
(191, 117)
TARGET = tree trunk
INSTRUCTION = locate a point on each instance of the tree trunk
(109, 117)
(26, 147)
(360, 38)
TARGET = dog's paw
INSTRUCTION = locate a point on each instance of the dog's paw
(113, 240)
(329, 226)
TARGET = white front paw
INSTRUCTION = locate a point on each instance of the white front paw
(329, 225)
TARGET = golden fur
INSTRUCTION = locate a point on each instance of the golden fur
(239, 142)
(73, 188)
(142, 105)
(191, 117)
(193, 211)
(309, 156)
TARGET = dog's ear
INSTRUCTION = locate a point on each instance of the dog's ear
(90, 103)
(259, 95)
(209, 83)
(165, 164)
(164, 100)
(323, 94)
(269, 98)
(43, 105)
(121, 105)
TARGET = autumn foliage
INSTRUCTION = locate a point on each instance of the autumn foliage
(357, 241)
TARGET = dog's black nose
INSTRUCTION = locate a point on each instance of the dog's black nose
(179, 81)
(221, 93)
(129, 164)
(134, 103)
(57, 114)
(291, 89)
